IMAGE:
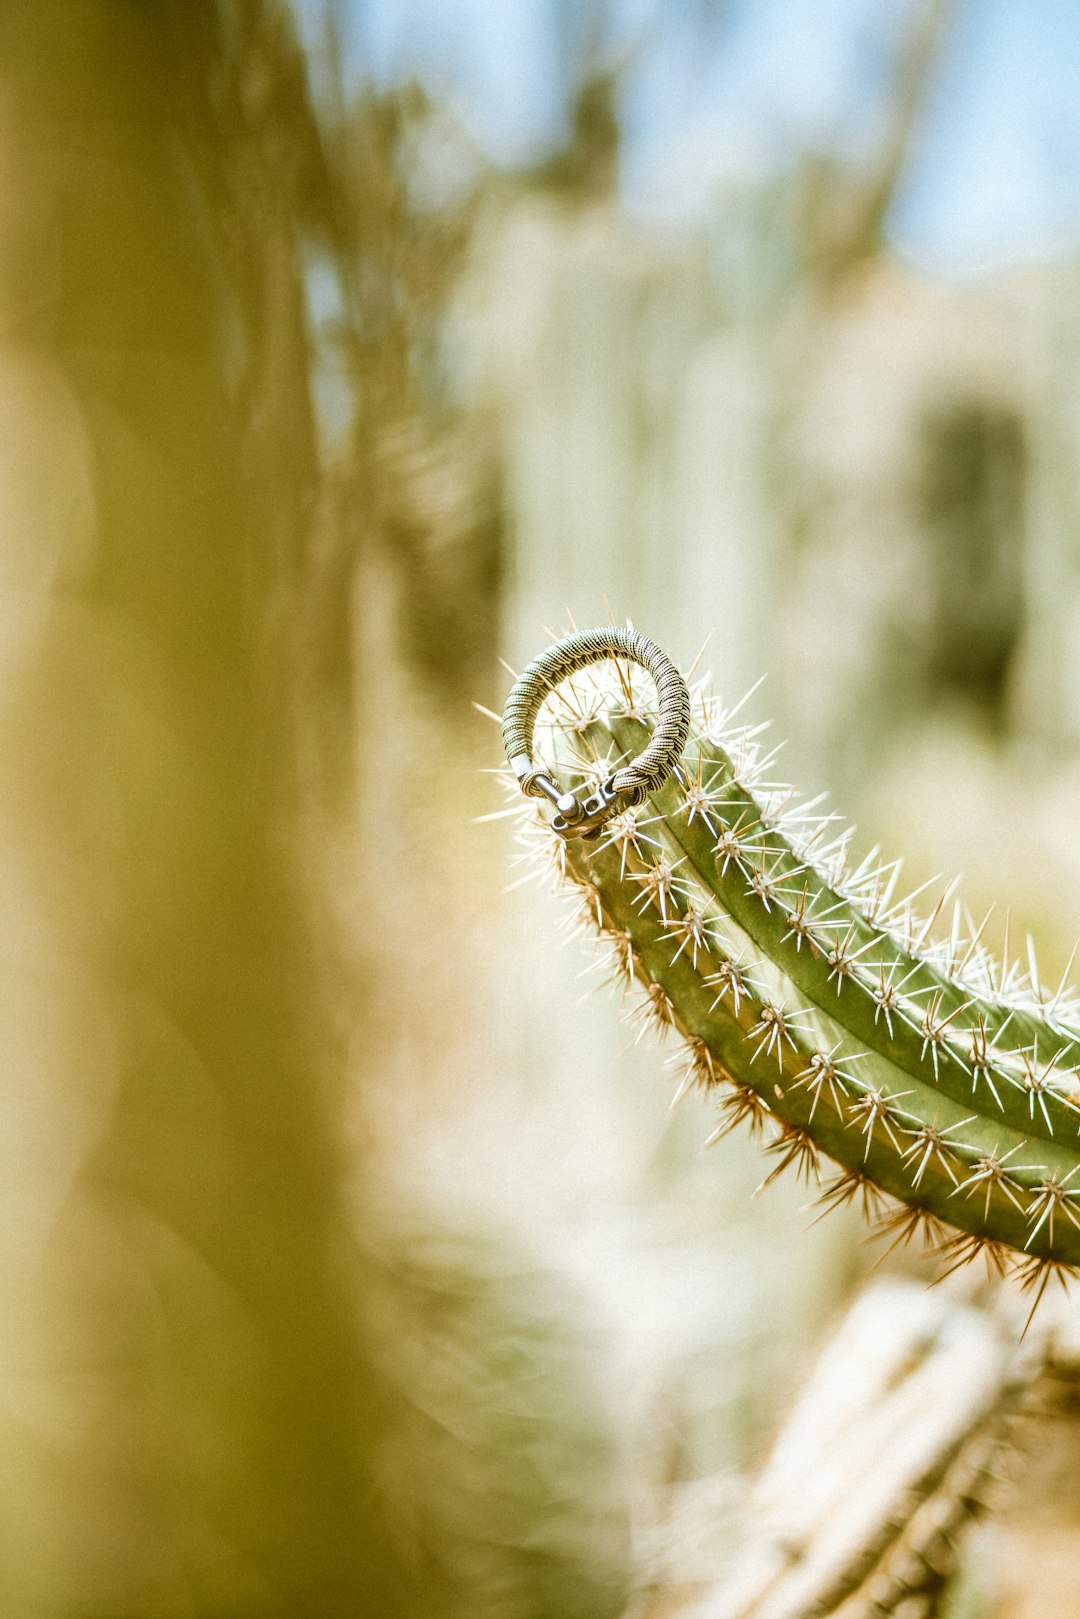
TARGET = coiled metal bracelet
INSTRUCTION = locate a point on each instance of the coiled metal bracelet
(632, 783)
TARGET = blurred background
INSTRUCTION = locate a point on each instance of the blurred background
(352, 1259)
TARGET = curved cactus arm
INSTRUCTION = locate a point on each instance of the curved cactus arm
(818, 1006)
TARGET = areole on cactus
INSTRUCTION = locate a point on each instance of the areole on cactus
(817, 1006)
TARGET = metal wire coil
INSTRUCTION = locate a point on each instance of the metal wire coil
(646, 774)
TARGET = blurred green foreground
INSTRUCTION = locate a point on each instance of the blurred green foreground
(185, 1409)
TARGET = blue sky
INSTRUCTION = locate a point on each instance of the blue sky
(732, 88)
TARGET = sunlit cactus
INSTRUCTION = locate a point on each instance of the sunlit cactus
(884, 1055)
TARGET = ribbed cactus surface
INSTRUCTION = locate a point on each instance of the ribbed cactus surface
(882, 1052)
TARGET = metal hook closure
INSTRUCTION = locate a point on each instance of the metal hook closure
(583, 816)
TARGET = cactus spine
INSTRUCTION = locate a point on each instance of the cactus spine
(815, 1004)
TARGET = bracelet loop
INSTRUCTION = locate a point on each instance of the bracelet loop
(632, 783)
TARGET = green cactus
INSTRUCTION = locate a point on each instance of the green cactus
(812, 1002)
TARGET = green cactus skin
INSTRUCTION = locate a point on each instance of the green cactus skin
(815, 1005)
